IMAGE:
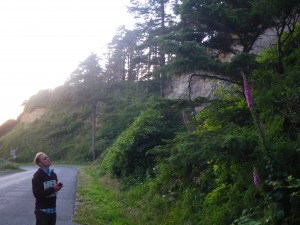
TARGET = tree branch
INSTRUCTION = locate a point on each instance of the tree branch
(210, 76)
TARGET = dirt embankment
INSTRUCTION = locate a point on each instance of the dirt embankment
(32, 116)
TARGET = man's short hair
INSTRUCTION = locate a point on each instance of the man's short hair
(37, 157)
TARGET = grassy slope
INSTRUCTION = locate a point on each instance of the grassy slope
(98, 201)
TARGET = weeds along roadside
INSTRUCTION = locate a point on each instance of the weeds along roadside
(98, 200)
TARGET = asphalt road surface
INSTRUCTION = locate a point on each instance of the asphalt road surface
(17, 201)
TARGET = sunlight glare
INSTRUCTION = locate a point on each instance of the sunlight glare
(42, 43)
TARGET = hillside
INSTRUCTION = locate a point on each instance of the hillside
(29, 117)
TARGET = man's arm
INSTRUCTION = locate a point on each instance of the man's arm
(38, 189)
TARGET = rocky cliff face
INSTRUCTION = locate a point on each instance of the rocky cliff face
(181, 88)
(265, 41)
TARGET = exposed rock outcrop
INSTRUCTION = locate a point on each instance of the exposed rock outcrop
(182, 87)
(179, 87)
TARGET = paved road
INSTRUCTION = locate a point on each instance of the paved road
(17, 201)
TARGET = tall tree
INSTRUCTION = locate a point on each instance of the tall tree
(229, 26)
(221, 29)
(152, 17)
(89, 89)
(123, 56)
(284, 15)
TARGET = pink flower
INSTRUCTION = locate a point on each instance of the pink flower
(185, 119)
(255, 178)
(247, 93)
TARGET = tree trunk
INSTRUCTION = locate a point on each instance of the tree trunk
(161, 53)
(94, 109)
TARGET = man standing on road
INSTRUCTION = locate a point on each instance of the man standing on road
(45, 187)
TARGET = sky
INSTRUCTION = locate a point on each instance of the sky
(43, 41)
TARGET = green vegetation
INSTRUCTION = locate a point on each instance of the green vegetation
(232, 159)
(98, 201)
(7, 166)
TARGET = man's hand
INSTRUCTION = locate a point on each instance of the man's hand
(57, 186)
